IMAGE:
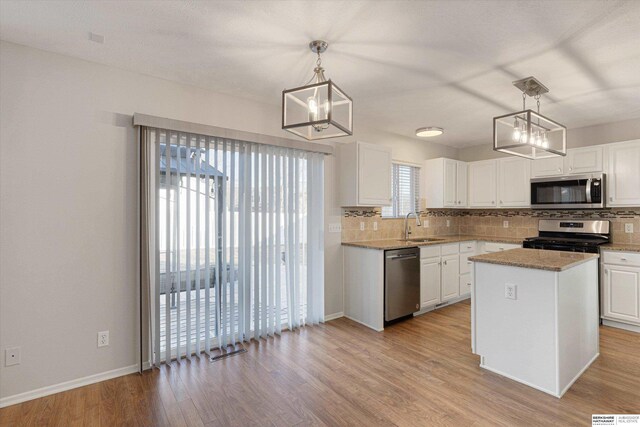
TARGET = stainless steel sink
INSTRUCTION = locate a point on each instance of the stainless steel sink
(424, 240)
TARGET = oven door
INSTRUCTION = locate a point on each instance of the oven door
(568, 192)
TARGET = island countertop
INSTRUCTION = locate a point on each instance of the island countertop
(539, 259)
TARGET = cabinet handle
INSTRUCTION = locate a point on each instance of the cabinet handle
(445, 263)
(623, 259)
(493, 202)
(500, 201)
(606, 271)
(559, 170)
(468, 284)
(611, 199)
(570, 168)
(469, 262)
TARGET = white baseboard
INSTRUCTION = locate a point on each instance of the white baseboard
(333, 316)
(620, 325)
(68, 385)
(564, 390)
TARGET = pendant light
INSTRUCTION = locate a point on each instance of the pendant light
(319, 109)
(528, 133)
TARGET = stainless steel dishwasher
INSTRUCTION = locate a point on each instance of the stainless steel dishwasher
(401, 283)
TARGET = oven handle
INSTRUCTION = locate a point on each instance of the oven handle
(589, 190)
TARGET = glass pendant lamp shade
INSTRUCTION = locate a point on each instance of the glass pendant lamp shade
(528, 133)
(318, 110)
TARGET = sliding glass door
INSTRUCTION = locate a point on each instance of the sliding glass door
(238, 241)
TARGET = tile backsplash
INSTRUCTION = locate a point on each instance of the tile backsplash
(483, 222)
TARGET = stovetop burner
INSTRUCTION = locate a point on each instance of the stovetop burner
(570, 235)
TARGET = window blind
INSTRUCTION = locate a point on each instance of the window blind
(405, 191)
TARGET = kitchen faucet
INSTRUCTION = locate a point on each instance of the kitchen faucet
(407, 229)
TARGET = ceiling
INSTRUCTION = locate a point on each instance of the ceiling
(406, 64)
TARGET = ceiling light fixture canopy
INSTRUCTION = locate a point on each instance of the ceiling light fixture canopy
(528, 133)
(319, 109)
(429, 132)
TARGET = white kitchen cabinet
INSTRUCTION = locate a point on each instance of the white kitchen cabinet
(429, 281)
(623, 179)
(490, 247)
(621, 287)
(444, 183)
(450, 277)
(483, 184)
(583, 160)
(365, 174)
(547, 167)
(465, 284)
(514, 182)
(621, 293)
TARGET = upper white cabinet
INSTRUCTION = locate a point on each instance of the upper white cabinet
(547, 167)
(577, 161)
(444, 183)
(583, 160)
(483, 184)
(514, 188)
(365, 171)
(623, 178)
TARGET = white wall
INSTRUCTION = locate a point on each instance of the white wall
(579, 137)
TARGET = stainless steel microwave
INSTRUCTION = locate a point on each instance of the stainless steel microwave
(569, 192)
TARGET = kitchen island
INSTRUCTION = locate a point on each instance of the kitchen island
(535, 316)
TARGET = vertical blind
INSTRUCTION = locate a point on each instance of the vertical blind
(405, 191)
(237, 241)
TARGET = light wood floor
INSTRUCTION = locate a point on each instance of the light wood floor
(419, 372)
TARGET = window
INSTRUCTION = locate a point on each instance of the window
(405, 191)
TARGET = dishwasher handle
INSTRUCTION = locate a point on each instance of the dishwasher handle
(407, 256)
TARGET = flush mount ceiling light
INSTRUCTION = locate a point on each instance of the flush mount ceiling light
(319, 109)
(528, 133)
(429, 132)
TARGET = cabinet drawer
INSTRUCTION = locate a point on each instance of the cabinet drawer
(467, 247)
(465, 264)
(449, 249)
(429, 251)
(497, 247)
(621, 258)
(465, 284)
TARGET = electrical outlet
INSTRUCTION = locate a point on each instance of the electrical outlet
(361, 225)
(505, 224)
(12, 356)
(103, 339)
(448, 223)
(335, 227)
(375, 226)
(510, 291)
(425, 223)
(628, 227)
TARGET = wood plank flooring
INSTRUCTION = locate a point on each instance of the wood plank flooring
(420, 372)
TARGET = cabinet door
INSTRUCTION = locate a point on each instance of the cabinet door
(621, 299)
(482, 184)
(429, 281)
(461, 185)
(583, 160)
(514, 186)
(547, 167)
(465, 284)
(450, 178)
(374, 175)
(450, 277)
(623, 178)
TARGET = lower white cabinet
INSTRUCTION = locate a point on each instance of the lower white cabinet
(429, 281)
(621, 287)
(450, 277)
(489, 247)
(465, 284)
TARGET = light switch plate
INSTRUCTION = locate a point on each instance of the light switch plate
(505, 224)
(425, 223)
(375, 226)
(335, 227)
(361, 225)
(448, 223)
(628, 227)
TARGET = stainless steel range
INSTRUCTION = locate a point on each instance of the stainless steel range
(574, 235)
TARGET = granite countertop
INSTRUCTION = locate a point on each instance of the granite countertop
(440, 240)
(538, 259)
(622, 247)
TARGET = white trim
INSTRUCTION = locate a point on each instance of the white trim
(427, 309)
(621, 325)
(68, 385)
(208, 130)
(365, 324)
(578, 375)
(333, 316)
(406, 163)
